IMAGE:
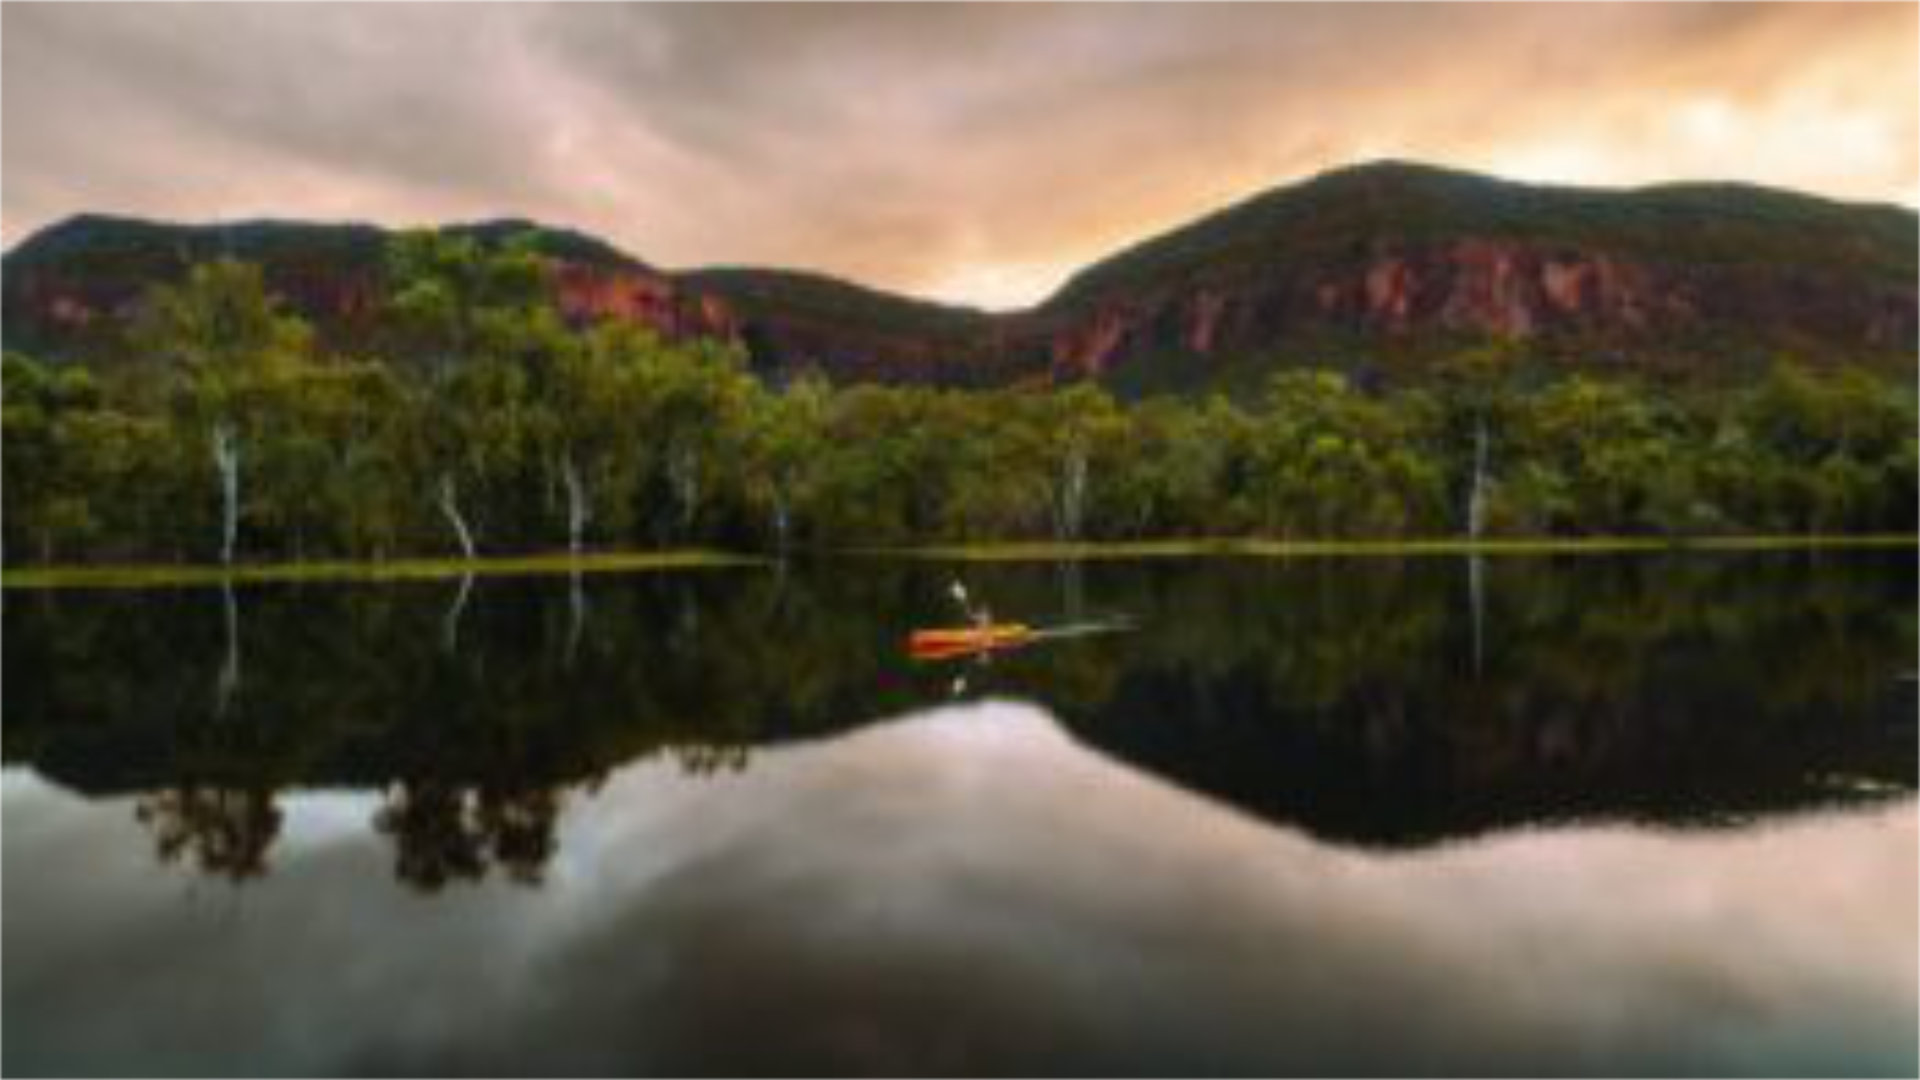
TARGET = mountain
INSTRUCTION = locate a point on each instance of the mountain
(792, 320)
(1372, 267)
(69, 289)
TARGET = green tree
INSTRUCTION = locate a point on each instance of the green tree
(483, 319)
(1083, 429)
(694, 403)
(785, 450)
(1327, 461)
(1817, 452)
(1601, 457)
(1475, 389)
(228, 344)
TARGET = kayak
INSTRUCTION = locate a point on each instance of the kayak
(961, 640)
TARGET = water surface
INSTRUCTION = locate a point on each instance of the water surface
(1595, 814)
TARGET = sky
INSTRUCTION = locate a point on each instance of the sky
(971, 153)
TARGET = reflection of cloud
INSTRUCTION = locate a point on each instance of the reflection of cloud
(981, 152)
(970, 891)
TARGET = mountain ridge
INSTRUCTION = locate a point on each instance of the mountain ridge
(1350, 266)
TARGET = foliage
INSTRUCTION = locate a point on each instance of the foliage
(539, 435)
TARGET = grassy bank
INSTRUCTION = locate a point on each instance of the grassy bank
(1285, 549)
(161, 576)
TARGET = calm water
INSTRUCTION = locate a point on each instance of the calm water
(1596, 814)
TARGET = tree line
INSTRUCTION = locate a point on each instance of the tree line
(485, 423)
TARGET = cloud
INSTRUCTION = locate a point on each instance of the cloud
(966, 891)
(982, 152)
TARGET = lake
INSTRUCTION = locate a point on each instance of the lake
(1645, 813)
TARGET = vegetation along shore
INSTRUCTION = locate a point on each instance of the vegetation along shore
(479, 421)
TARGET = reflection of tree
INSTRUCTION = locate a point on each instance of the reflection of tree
(1653, 688)
(450, 623)
(577, 612)
(519, 827)
(223, 832)
(701, 759)
(436, 838)
(229, 681)
(445, 833)
(1588, 669)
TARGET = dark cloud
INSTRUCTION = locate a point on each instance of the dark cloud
(974, 151)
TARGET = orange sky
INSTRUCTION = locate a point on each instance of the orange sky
(971, 153)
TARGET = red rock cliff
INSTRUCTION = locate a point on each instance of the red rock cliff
(1480, 287)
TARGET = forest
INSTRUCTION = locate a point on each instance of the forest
(483, 423)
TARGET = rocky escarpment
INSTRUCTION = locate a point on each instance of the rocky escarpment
(1353, 265)
(1617, 306)
(587, 292)
(1389, 257)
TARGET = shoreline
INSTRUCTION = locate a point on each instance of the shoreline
(342, 571)
(1254, 548)
(137, 576)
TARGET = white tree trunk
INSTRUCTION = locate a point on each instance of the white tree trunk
(226, 458)
(450, 506)
(1073, 493)
(780, 520)
(1477, 495)
(683, 471)
(578, 512)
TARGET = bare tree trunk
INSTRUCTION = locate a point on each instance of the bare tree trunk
(683, 464)
(1476, 522)
(226, 458)
(1477, 495)
(780, 521)
(450, 506)
(577, 510)
(1073, 493)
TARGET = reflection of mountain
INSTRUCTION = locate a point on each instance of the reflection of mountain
(1412, 768)
(1677, 692)
(969, 893)
(1343, 697)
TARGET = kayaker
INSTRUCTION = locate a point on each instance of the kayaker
(981, 618)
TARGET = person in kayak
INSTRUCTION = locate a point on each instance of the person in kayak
(981, 618)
